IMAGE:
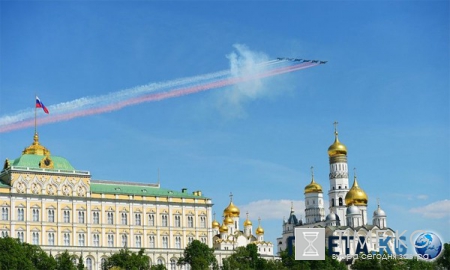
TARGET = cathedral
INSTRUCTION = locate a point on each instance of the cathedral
(347, 207)
(229, 236)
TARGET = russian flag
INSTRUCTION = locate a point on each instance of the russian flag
(39, 104)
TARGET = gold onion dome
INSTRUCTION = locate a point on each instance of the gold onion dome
(215, 224)
(228, 220)
(247, 222)
(231, 210)
(337, 148)
(313, 187)
(259, 230)
(356, 196)
(35, 148)
(223, 228)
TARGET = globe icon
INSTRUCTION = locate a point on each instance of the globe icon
(428, 245)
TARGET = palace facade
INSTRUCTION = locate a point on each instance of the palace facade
(45, 201)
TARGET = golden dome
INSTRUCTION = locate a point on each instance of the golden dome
(223, 228)
(337, 148)
(313, 187)
(356, 196)
(247, 222)
(228, 220)
(259, 230)
(35, 148)
(231, 210)
(215, 224)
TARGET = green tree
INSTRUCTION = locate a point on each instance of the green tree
(128, 260)
(17, 255)
(64, 261)
(444, 260)
(199, 256)
(80, 265)
(158, 267)
(39, 258)
(245, 258)
(289, 262)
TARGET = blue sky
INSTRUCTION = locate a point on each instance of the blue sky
(386, 83)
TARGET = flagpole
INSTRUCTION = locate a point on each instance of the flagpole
(35, 113)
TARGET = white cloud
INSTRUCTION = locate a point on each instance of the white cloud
(439, 209)
(272, 209)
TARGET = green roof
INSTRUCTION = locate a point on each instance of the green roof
(110, 187)
(32, 161)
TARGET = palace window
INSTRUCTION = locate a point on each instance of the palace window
(96, 217)
(51, 215)
(173, 264)
(51, 239)
(138, 241)
(35, 239)
(124, 218)
(151, 241)
(96, 240)
(190, 239)
(81, 239)
(177, 242)
(165, 242)
(110, 240)
(80, 216)
(151, 220)
(124, 240)
(137, 219)
(203, 240)
(110, 218)
(35, 214)
(190, 221)
(5, 234)
(89, 264)
(5, 213)
(66, 237)
(177, 221)
(164, 220)
(203, 222)
(20, 214)
(20, 236)
(66, 216)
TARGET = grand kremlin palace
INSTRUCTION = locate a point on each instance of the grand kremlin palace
(47, 202)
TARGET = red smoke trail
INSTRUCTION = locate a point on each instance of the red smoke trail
(155, 97)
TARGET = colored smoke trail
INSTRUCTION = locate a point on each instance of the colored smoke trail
(158, 91)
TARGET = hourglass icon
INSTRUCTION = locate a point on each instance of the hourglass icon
(310, 250)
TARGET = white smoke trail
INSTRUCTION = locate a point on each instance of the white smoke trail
(96, 101)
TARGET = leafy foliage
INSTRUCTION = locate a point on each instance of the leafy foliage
(17, 255)
(199, 256)
(64, 261)
(128, 260)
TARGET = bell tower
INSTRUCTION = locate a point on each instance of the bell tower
(338, 176)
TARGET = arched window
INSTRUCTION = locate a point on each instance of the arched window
(103, 262)
(340, 201)
(173, 264)
(160, 261)
(89, 264)
(332, 202)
